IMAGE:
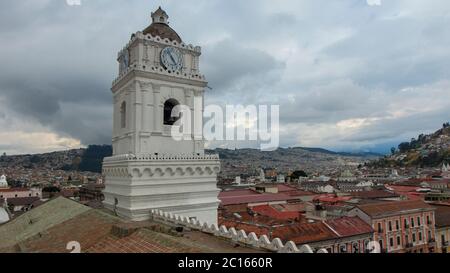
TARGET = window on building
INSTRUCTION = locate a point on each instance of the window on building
(397, 224)
(418, 221)
(412, 222)
(355, 248)
(381, 244)
(390, 226)
(380, 229)
(428, 220)
(391, 242)
(365, 245)
(168, 108)
(343, 248)
(406, 239)
(398, 241)
(420, 236)
(405, 223)
(414, 237)
(123, 115)
(443, 239)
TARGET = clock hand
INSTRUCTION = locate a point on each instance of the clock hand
(173, 59)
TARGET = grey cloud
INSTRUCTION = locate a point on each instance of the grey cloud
(227, 63)
(58, 61)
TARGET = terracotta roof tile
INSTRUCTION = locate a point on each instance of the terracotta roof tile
(304, 233)
(349, 226)
(394, 207)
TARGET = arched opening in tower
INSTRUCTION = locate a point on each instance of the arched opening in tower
(169, 105)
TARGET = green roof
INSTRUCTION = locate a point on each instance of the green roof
(38, 220)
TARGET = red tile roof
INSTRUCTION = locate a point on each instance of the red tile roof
(233, 193)
(331, 198)
(276, 214)
(284, 187)
(247, 227)
(408, 191)
(249, 196)
(142, 241)
(394, 207)
(292, 191)
(304, 233)
(349, 226)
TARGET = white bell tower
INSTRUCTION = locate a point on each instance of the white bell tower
(150, 169)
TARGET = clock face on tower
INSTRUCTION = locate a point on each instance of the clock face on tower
(171, 58)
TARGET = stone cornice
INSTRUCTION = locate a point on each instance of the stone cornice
(158, 74)
(156, 40)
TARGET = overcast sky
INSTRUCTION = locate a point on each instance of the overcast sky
(348, 74)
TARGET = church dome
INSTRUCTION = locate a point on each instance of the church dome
(160, 27)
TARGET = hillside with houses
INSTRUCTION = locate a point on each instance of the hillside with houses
(430, 150)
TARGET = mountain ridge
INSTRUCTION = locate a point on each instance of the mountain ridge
(431, 150)
(90, 158)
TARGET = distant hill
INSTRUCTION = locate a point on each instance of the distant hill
(90, 159)
(424, 151)
(249, 161)
(86, 160)
(357, 154)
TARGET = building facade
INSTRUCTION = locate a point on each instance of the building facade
(151, 168)
(401, 226)
(442, 227)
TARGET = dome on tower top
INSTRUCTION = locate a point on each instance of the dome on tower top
(160, 26)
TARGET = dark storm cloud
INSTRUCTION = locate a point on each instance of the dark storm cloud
(229, 63)
(344, 73)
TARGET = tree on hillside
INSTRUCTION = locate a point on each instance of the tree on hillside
(404, 146)
(393, 150)
(298, 174)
